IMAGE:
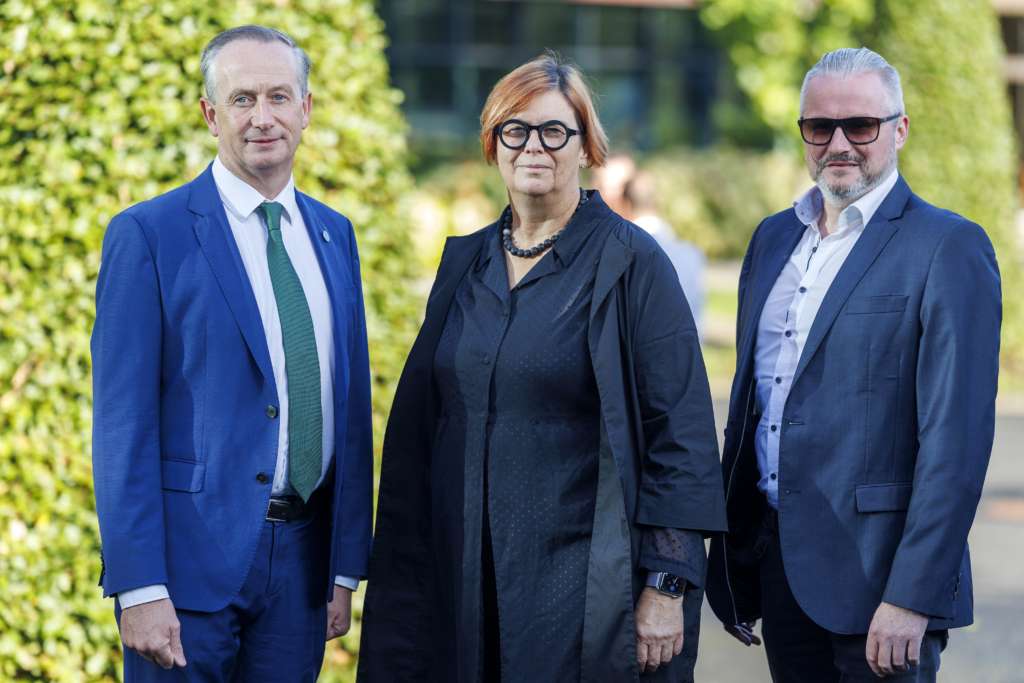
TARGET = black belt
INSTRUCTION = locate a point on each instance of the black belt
(290, 508)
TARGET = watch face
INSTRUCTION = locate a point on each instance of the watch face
(672, 585)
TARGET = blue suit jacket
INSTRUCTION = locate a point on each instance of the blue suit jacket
(888, 428)
(182, 382)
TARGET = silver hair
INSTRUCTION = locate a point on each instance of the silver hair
(260, 34)
(850, 62)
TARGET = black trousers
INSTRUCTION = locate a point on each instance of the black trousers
(799, 650)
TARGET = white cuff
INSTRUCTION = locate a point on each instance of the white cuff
(138, 596)
(349, 582)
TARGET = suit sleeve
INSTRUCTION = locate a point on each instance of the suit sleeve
(355, 512)
(957, 373)
(681, 479)
(126, 362)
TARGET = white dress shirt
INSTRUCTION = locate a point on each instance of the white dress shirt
(250, 232)
(789, 313)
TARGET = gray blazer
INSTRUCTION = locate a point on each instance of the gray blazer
(888, 428)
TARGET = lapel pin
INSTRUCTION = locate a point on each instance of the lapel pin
(327, 236)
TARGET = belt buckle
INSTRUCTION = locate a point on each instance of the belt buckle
(270, 515)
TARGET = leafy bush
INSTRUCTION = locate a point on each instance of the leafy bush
(99, 109)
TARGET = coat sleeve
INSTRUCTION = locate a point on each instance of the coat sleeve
(126, 361)
(355, 512)
(681, 478)
(957, 373)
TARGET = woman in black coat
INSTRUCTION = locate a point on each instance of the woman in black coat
(550, 465)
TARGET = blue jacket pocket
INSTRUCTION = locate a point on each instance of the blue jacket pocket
(889, 303)
(884, 497)
(182, 475)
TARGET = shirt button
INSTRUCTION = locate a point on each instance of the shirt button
(778, 380)
(789, 333)
(774, 477)
(262, 478)
(774, 427)
(803, 289)
(483, 414)
(814, 249)
(487, 359)
(271, 412)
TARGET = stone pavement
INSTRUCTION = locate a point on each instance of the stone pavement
(989, 651)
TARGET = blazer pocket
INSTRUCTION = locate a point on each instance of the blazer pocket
(884, 497)
(889, 303)
(182, 475)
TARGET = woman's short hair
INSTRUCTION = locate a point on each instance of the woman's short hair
(516, 90)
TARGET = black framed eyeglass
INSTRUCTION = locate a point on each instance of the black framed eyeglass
(859, 130)
(554, 135)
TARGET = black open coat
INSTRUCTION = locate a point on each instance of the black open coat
(659, 466)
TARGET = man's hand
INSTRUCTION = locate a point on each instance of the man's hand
(339, 613)
(894, 639)
(659, 629)
(744, 632)
(152, 630)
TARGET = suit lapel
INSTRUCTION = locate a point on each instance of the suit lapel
(218, 243)
(764, 279)
(871, 242)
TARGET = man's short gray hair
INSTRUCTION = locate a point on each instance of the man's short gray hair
(850, 62)
(260, 34)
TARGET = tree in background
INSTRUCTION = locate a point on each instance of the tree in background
(961, 154)
(99, 109)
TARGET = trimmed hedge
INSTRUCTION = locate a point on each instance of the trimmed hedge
(99, 109)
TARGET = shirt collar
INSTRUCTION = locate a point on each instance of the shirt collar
(241, 198)
(810, 205)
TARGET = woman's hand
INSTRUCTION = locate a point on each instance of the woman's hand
(659, 629)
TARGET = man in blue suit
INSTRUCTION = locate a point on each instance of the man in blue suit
(863, 407)
(232, 446)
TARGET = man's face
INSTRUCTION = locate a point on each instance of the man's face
(260, 112)
(844, 171)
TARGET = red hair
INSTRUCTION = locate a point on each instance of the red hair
(516, 90)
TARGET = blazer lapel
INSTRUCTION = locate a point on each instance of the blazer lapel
(336, 282)
(767, 273)
(218, 243)
(874, 238)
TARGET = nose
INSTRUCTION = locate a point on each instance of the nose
(262, 117)
(840, 144)
(533, 143)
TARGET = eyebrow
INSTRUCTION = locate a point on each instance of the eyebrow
(237, 92)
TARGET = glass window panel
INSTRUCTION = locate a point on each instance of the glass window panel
(620, 27)
(549, 25)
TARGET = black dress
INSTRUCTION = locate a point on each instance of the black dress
(520, 426)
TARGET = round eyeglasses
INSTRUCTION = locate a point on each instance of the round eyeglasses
(859, 130)
(554, 135)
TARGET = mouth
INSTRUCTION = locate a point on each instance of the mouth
(263, 142)
(535, 167)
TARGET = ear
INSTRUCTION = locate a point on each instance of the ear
(307, 109)
(902, 132)
(209, 110)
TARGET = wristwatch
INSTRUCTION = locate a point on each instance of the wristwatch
(666, 583)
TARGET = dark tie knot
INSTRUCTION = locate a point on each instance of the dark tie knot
(271, 212)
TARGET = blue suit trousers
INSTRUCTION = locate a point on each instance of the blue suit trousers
(273, 630)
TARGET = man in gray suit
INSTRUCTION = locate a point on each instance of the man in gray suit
(863, 408)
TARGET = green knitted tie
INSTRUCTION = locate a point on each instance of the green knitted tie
(305, 418)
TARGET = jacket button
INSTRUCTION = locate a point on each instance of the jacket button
(271, 412)
(262, 478)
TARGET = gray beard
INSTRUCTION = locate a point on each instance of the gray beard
(844, 196)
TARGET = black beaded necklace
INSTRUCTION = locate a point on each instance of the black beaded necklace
(506, 233)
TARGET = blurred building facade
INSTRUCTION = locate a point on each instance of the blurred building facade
(661, 79)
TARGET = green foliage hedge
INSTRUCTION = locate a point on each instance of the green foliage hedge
(99, 109)
(961, 154)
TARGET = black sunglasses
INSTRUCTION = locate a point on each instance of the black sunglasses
(859, 130)
(514, 134)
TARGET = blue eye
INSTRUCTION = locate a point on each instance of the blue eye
(279, 97)
(241, 100)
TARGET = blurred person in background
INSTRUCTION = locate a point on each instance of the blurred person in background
(641, 194)
(863, 407)
(610, 180)
(231, 390)
(550, 464)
